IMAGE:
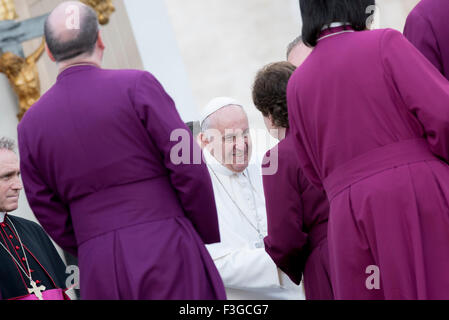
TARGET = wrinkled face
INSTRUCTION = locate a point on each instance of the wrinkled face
(10, 184)
(228, 138)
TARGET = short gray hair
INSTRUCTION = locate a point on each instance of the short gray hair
(7, 144)
(293, 44)
(205, 125)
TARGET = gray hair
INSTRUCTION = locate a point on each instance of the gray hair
(7, 144)
(293, 44)
(205, 125)
(83, 42)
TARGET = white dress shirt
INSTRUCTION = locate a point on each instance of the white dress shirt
(2, 216)
(248, 272)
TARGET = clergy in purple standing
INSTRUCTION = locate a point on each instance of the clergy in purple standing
(369, 116)
(297, 212)
(427, 29)
(97, 172)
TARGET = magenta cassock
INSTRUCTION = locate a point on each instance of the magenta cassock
(95, 160)
(370, 119)
(297, 214)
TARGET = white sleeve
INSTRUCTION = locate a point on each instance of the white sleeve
(245, 268)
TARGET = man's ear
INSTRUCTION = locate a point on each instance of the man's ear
(271, 119)
(202, 140)
(100, 42)
(50, 55)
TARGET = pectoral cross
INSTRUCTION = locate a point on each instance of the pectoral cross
(36, 290)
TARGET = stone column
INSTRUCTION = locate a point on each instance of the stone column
(159, 52)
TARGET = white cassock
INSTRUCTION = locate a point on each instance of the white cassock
(247, 270)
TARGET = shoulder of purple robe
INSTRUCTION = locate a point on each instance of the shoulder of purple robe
(296, 133)
(419, 31)
(190, 179)
(51, 212)
(423, 90)
(286, 240)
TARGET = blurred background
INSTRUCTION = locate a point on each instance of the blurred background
(223, 43)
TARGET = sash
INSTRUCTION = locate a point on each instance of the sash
(54, 294)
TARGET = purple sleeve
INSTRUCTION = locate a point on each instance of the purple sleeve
(418, 30)
(423, 90)
(191, 181)
(50, 211)
(286, 240)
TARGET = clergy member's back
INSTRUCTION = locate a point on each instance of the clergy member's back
(100, 141)
(94, 143)
(111, 147)
(370, 117)
(351, 107)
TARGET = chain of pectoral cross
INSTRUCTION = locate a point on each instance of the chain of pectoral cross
(256, 228)
(34, 288)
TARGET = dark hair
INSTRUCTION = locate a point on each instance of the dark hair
(194, 127)
(318, 13)
(83, 42)
(270, 91)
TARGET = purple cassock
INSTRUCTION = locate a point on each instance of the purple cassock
(427, 29)
(297, 215)
(370, 119)
(95, 160)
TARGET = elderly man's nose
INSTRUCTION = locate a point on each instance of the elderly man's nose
(240, 143)
(17, 184)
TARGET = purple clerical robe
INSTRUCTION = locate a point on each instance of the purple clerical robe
(370, 119)
(297, 215)
(426, 27)
(96, 164)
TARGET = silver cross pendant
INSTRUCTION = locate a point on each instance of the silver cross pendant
(36, 290)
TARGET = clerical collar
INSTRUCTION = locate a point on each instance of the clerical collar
(79, 64)
(334, 29)
(2, 216)
(74, 68)
(217, 166)
(335, 25)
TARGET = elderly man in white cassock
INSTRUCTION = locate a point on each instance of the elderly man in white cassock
(247, 270)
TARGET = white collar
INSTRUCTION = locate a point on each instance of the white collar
(213, 164)
(335, 25)
(2, 216)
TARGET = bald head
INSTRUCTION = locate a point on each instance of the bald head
(71, 30)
